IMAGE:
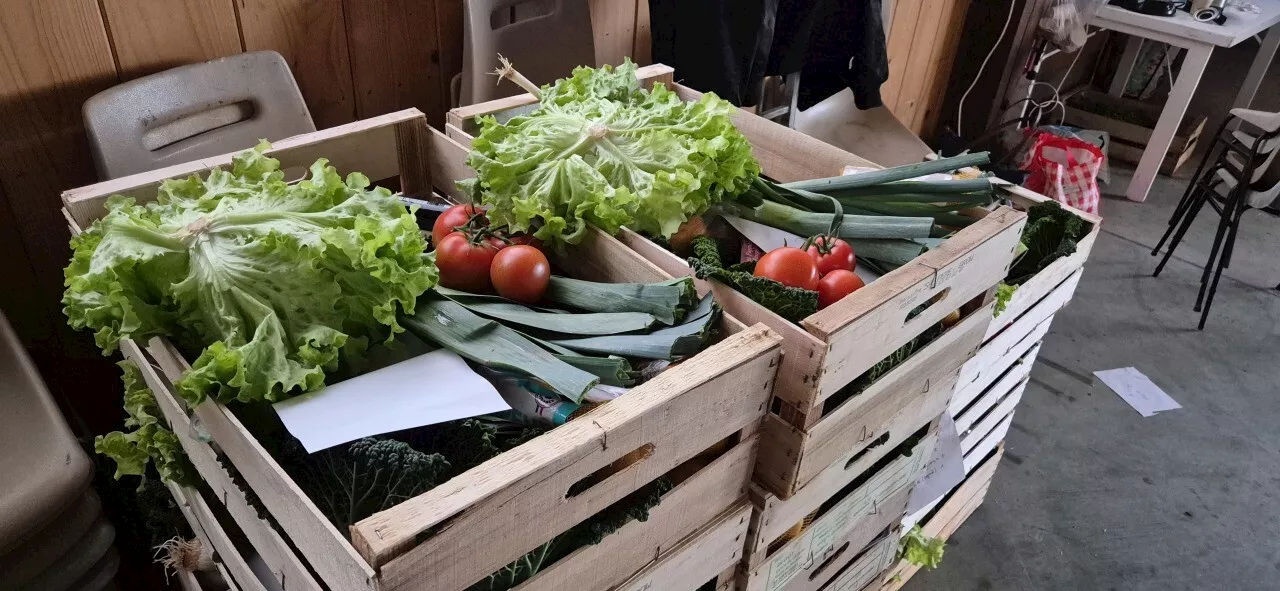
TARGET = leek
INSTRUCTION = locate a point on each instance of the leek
(612, 370)
(808, 223)
(666, 301)
(493, 345)
(888, 175)
(979, 185)
(596, 323)
(670, 343)
(893, 252)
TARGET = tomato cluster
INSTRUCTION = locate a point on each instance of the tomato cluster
(473, 257)
(825, 266)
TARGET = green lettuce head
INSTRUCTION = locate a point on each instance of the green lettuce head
(274, 282)
(601, 151)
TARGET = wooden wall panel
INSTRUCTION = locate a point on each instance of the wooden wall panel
(642, 49)
(312, 37)
(54, 54)
(922, 45)
(614, 25)
(395, 57)
(906, 13)
(449, 42)
(153, 35)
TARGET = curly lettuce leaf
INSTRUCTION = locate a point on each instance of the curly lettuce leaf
(921, 550)
(274, 283)
(602, 151)
(149, 442)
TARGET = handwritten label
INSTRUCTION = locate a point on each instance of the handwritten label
(944, 470)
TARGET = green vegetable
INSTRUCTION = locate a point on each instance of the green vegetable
(676, 342)
(1050, 234)
(898, 173)
(791, 303)
(921, 550)
(667, 301)
(494, 345)
(277, 282)
(601, 323)
(602, 151)
(633, 507)
(367, 476)
(808, 223)
(150, 441)
(1004, 293)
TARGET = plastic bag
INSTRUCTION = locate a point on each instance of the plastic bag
(1065, 170)
(1063, 23)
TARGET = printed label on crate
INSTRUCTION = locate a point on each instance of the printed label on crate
(786, 564)
(827, 530)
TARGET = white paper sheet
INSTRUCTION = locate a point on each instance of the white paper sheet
(424, 390)
(944, 471)
(1138, 390)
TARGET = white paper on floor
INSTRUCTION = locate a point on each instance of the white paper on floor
(944, 471)
(1138, 390)
(431, 388)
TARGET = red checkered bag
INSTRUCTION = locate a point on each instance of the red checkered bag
(1064, 169)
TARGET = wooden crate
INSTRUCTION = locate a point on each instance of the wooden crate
(831, 348)
(1096, 110)
(853, 504)
(712, 552)
(951, 513)
(459, 532)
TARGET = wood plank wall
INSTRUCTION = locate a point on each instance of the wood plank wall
(352, 59)
(922, 42)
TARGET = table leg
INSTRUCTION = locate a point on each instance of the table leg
(1132, 47)
(1259, 68)
(1170, 118)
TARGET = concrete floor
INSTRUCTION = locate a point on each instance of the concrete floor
(1091, 495)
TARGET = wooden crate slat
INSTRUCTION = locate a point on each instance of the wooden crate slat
(697, 559)
(900, 402)
(702, 402)
(288, 570)
(871, 323)
(863, 569)
(1010, 380)
(198, 514)
(617, 557)
(964, 500)
(873, 505)
(369, 144)
(985, 365)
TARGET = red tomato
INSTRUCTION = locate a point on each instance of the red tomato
(464, 265)
(521, 273)
(453, 218)
(789, 266)
(837, 284)
(838, 255)
(527, 239)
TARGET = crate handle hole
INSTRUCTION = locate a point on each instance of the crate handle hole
(632, 458)
(879, 441)
(929, 303)
(825, 563)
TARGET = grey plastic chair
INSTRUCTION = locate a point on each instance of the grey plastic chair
(545, 39)
(194, 111)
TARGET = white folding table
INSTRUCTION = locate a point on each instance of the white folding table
(1199, 39)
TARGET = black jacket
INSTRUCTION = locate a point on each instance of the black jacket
(728, 46)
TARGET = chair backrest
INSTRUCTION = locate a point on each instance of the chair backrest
(194, 111)
(545, 39)
(1266, 187)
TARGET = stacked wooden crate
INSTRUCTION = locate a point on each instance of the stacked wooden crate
(991, 384)
(695, 424)
(835, 471)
